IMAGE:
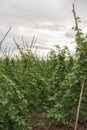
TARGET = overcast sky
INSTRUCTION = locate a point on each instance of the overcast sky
(50, 20)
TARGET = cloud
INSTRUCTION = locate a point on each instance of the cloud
(50, 20)
(32, 10)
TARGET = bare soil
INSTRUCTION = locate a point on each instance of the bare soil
(39, 122)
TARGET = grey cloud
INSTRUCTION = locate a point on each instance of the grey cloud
(25, 9)
(34, 12)
(69, 33)
(31, 10)
(38, 10)
(41, 46)
(54, 16)
(47, 25)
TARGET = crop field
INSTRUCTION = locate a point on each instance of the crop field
(45, 94)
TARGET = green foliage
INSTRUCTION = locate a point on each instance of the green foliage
(13, 106)
(68, 83)
(53, 85)
(23, 89)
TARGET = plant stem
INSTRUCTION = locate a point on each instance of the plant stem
(75, 17)
(5, 37)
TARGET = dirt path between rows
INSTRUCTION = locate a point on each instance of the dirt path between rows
(39, 122)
